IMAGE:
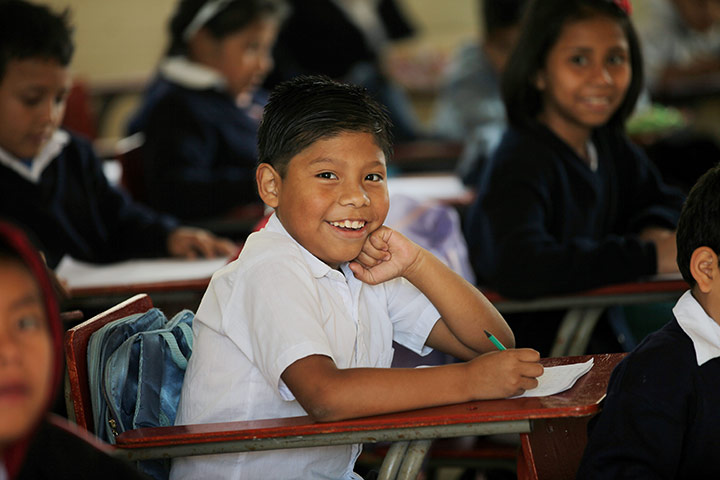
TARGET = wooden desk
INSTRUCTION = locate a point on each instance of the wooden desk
(585, 308)
(412, 431)
(173, 283)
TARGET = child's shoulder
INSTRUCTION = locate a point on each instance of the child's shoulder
(267, 248)
(663, 358)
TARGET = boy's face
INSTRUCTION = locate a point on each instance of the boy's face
(26, 353)
(32, 104)
(334, 195)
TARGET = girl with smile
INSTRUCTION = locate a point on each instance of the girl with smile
(567, 203)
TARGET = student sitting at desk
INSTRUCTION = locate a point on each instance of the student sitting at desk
(200, 115)
(51, 182)
(32, 446)
(349, 287)
(660, 418)
(567, 203)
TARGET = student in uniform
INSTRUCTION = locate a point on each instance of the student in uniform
(51, 182)
(567, 203)
(660, 418)
(34, 444)
(349, 287)
(200, 114)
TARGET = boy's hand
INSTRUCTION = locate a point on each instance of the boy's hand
(504, 374)
(386, 254)
(195, 242)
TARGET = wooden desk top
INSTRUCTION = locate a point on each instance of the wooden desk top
(581, 400)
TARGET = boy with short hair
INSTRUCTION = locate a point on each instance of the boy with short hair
(660, 418)
(51, 181)
(296, 324)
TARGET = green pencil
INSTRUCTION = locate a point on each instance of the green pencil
(495, 341)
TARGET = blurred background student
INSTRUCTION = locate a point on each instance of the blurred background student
(347, 40)
(51, 181)
(34, 444)
(567, 202)
(469, 107)
(200, 114)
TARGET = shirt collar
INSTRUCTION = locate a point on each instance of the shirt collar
(33, 171)
(699, 326)
(318, 268)
(194, 76)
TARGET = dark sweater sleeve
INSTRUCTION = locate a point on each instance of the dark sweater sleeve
(190, 171)
(655, 203)
(131, 229)
(523, 229)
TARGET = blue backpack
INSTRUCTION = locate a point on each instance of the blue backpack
(136, 367)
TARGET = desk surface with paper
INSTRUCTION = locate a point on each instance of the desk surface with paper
(473, 418)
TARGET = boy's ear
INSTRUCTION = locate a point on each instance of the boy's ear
(539, 81)
(269, 183)
(704, 268)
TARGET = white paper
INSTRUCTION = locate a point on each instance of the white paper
(427, 187)
(558, 379)
(157, 270)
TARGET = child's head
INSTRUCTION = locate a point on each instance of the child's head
(580, 58)
(322, 151)
(30, 343)
(501, 22)
(35, 50)
(233, 37)
(699, 225)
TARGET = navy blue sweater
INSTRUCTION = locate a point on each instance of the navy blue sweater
(545, 223)
(199, 153)
(73, 210)
(660, 418)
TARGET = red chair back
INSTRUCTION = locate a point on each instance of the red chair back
(77, 388)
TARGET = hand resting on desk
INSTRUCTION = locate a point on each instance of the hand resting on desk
(191, 242)
(665, 246)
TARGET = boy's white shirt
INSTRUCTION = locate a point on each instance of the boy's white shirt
(40, 162)
(699, 326)
(274, 305)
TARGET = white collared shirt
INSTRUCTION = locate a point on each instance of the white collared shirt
(277, 303)
(37, 166)
(699, 326)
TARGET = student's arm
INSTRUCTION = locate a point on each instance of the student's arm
(464, 310)
(328, 393)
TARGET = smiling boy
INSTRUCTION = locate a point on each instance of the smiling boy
(303, 321)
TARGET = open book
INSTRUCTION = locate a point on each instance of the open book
(558, 379)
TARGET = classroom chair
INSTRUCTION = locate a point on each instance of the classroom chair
(551, 451)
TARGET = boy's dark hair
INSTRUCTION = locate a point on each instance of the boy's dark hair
(699, 224)
(500, 14)
(305, 109)
(542, 25)
(232, 16)
(33, 31)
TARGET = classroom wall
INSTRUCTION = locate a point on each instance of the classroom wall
(119, 40)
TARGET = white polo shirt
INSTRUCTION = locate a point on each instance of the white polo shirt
(275, 304)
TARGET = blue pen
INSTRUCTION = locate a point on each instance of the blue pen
(495, 341)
